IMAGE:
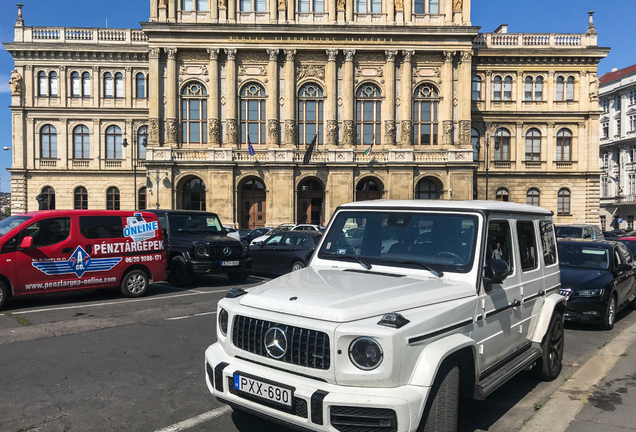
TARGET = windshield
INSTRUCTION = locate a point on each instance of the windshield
(403, 239)
(11, 222)
(280, 228)
(583, 256)
(195, 223)
(569, 232)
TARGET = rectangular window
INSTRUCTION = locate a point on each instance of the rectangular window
(632, 123)
(632, 97)
(538, 90)
(86, 83)
(548, 242)
(527, 245)
(528, 90)
(53, 89)
(260, 6)
(507, 89)
(631, 184)
(476, 90)
(497, 91)
(630, 222)
(618, 127)
(303, 6)
(418, 6)
(42, 84)
(319, 6)
(602, 219)
(246, 5)
(75, 84)
(433, 7)
(187, 5)
(605, 130)
(617, 104)
(202, 5)
(99, 227)
(604, 105)
(499, 244)
(108, 87)
(376, 6)
(361, 6)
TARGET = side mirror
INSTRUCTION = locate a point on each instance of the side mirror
(27, 243)
(622, 267)
(496, 271)
(165, 232)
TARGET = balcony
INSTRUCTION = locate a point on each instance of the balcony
(533, 40)
(76, 35)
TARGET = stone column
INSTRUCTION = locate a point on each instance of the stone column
(214, 10)
(214, 121)
(520, 87)
(349, 5)
(96, 88)
(550, 88)
(62, 85)
(464, 97)
(29, 85)
(446, 109)
(487, 89)
(273, 126)
(291, 11)
(331, 10)
(406, 126)
(389, 101)
(153, 97)
(408, 11)
(348, 122)
(172, 11)
(273, 11)
(171, 97)
(231, 124)
(153, 10)
(129, 86)
(231, 11)
(331, 105)
(290, 98)
(390, 11)
(548, 151)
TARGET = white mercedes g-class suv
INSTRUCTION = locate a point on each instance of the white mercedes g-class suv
(436, 300)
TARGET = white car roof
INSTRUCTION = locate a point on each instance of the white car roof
(423, 204)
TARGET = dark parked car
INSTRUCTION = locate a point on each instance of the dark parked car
(630, 242)
(284, 252)
(197, 243)
(579, 231)
(598, 280)
(614, 234)
(257, 232)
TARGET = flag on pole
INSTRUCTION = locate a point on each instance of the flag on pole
(249, 146)
(370, 149)
(309, 151)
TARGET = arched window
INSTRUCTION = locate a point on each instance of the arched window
(253, 114)
(560, 83)
(426, 189)
(309, 6)
(86, 84)
(108, 85)
(563, 147)
(194, 114)
(368, 6)
(496, 86)
(119, 85)
(533, 145)
(42, 84)
(75, 85)
(140, 80)
(502, 144)
(532, 197)
(53, 84)
(533, 89)
(368, 114)
(310, 104)
(48, 142)
(142, 142)
(193, 195)
(142, 199)
(425, 107)
(563, 202)
(112, 198)
(538, 89)
(474, 141)
(508, 88)
(113, 142)
(81, 142)
(501, 194)
(48, 198)
(569, 89)
(476, 88)
(80, 198)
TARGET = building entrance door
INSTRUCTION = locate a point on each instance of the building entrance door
(253, 208)
(311, 199)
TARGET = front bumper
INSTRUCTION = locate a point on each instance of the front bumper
(586, 309)
(318, 405)
(215, 267)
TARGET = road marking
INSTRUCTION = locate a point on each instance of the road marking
(119, 302)
(194, 421)
(190, 316)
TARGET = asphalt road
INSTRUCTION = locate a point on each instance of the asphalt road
(94, 361)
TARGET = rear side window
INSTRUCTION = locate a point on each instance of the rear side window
(527, 245)
(99, 227)
(548, 242)
(499, 245)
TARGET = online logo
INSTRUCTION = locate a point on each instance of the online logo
(138, 229)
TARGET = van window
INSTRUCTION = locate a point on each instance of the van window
(47, 232)
(499, 244)
(99, 227)
(527, 245)
(548, 242)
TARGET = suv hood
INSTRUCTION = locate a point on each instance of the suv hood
(341, 296)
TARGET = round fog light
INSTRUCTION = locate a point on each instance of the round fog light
(365, 353)
(223, 320)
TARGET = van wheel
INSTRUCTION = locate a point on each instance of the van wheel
(440, 412)
(135, 283)
(549, 366)
(297, 265)
(610, 315)
(4, 294)
(179, 274)
(238, 277)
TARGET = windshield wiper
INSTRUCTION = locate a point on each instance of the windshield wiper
(437, 273)
(366, 265)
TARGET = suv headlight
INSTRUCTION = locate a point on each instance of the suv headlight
(201, 251)
(365, 353)
(597, 292)
(223, 321)
(246, 248)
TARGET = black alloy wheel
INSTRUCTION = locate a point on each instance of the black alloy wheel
(549, 366)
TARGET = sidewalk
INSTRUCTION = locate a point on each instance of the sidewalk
(600, 396)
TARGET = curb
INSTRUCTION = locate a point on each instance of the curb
(557, 413)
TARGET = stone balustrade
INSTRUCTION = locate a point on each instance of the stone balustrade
(81, 35)
(534, 40)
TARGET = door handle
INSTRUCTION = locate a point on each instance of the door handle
(516, 303)
(67, 250)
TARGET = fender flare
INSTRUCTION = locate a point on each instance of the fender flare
(551, 303)
(434, 354)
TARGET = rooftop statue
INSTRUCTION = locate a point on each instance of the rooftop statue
(16, 83)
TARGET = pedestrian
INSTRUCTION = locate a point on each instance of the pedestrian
(496, 254)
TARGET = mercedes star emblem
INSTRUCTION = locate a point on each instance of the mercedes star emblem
(227, 251)
(275, 341)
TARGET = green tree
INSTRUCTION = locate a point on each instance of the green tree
(7, 211)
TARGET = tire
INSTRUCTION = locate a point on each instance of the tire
(179, 274)
(610, 316)
(440, 412)
(632, 305)
(238, 277)
(297, 265)
(4, 294)
(134, 283)
(549, 366)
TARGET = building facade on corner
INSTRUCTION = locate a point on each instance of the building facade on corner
(213, 105)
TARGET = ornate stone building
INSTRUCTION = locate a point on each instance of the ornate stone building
(214, 103)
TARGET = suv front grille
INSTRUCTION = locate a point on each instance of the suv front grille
(309, 348)
(217, 251)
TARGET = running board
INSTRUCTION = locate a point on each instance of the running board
(495, 380)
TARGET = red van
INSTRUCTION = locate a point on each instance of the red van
(63, 250)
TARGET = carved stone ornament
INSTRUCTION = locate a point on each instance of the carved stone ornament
(390, 55)
(399, 5)
(15, 83)
(153, 129)
(368, 72)
(455, 101)
(389, 132)
(406, 132)
(231, 131)
(464, 132)
(214, 128)
(447, 134)
(458, 5)
(348, 132)
(281, 100)
(332, 132)
(332, 54)
(310, 71)
(341, 5)
(172, 53)
(408, 55)
(153, 53)
(340, 100)
(219, 155)
(214, 53)
(349, 53)
(593, 87)
(282, 4)
(231, 53)
(171, 130)
(223, 4)
(223, 100)
(428, 58)
(290, 131)
(252, 71)
(273, 54)
(448, 56)
(398, 101)
(290, 55)
(273, 131)
(466, 56)
(199, 56)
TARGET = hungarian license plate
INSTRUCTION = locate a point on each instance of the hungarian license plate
(267, 391)
(229, 263)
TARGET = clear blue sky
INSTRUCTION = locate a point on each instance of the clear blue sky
(614, 20)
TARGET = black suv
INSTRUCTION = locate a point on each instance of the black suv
(197, 243)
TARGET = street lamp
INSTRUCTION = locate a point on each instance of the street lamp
(157, 177)
(487, 155)
(135, 149)
(5, 149)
